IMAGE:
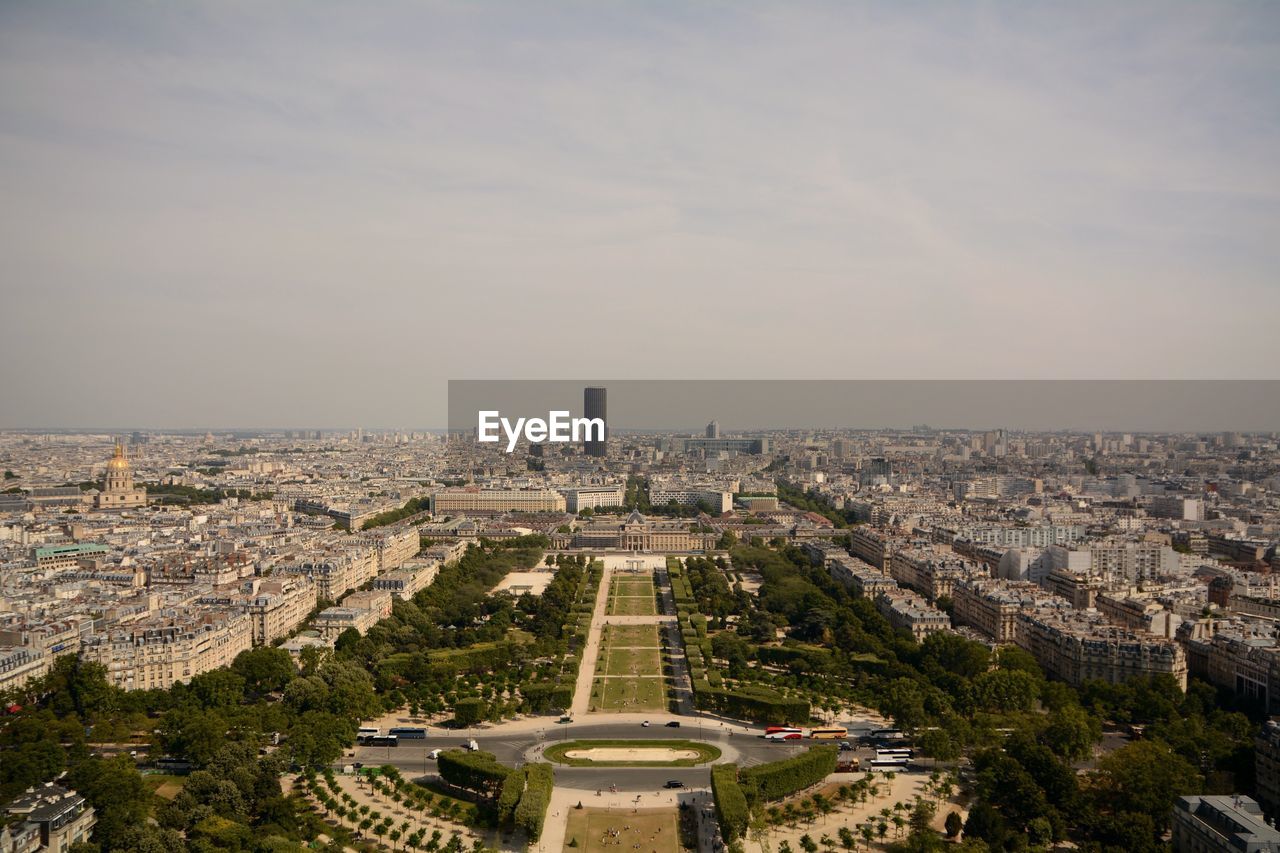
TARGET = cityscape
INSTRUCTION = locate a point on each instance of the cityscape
(538, 426)
(741, 639)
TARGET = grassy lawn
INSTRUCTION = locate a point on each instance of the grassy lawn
(629, 694)
(164, 786)
(628, 586)
(625, 661)
(632, 606)
(632, 636)
(706, 752)
(592, 829)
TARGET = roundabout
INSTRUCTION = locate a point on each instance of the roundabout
(632, 753)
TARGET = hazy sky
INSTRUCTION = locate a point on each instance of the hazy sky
(248, 213)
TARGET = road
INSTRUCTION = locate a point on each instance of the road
(514, 745)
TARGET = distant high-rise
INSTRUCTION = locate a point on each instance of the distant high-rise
(713, 430)
(594, 406)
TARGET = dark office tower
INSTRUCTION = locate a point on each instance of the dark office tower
(593, 406)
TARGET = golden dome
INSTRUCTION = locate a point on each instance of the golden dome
(118, 461)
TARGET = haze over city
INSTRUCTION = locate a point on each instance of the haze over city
(268, 214)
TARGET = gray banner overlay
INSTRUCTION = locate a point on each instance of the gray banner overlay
(764, 405)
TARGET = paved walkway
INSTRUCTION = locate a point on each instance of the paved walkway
(591, 651)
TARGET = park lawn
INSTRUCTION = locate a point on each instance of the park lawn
(632, 587)
(589, 830)
(632, 606)
(629, 694)
(630, 662)
(164, 786)
(632, 636)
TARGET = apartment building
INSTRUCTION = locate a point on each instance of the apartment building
(19, 665)
(406, 581)
(1267, 766)
(871, 546)
(337, 572)
(1116, 561)
(278, 606)
(1079, 589)
(392, 547)
(156, 653)
(1230, 657)
(1077, 646)
(683, 494)
(53, 817)
(993, 606)
(1222, 822)
(907, 611)
(1138, 614)
(930, 572)
(863, 579)
(579, 498)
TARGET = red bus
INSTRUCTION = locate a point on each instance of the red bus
(774, 730)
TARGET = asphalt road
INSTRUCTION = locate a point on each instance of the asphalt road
(516, 747)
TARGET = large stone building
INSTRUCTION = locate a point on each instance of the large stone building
(156, 653)
(496, 500)
(638, 533)
(118, 491)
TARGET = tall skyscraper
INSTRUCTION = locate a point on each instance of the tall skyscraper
(594, 406)
(713, 430)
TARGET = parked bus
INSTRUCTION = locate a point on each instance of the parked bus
(833, 733)
(899, 761)
(382, 740)
(773, 730)
(887, 734)
(791, 735)
(894, 753)
(409, 733)
(364, 734)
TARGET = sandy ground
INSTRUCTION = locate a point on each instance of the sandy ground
(534, 583)
(903, 789)
(612, 753)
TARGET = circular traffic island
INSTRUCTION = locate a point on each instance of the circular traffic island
(631, 753)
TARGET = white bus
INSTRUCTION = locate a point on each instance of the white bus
(889, 762)
(895, 753)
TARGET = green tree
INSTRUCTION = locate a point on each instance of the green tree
(1143, 777)
(953, 824)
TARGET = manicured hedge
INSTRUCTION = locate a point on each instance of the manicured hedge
(779, 779)
(509, 797)
(731, 801)
(811, 657)
(477, 772)
(531, 813)
(750, 702)
(470, 710)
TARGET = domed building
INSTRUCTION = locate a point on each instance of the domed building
(118, 491)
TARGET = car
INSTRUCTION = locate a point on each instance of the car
(433, 755)
(674, 783)
(674, 724)
(845, 746)
(645, 724)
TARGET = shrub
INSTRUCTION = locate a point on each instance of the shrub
(731, 801)
(779, 779)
